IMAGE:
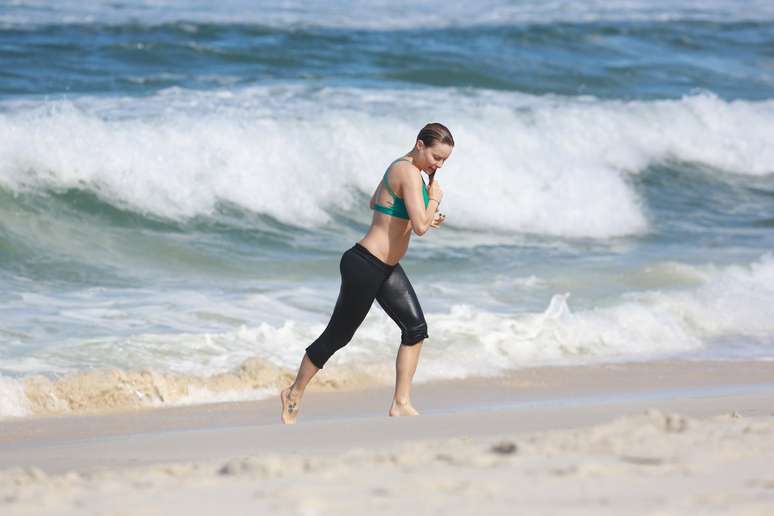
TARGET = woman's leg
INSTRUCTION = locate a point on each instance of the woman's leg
(399, 300)
(361, 276)
(291, 397)
(405, 367)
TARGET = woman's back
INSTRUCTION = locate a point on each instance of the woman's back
(390, 233)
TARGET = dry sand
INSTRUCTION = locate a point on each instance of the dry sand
(657, 438)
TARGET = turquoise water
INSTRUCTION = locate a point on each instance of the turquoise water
(178, 181)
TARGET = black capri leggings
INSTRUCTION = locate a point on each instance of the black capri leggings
(364, 277)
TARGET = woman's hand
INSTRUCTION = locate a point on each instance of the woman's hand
(438, 219)
(435, 191)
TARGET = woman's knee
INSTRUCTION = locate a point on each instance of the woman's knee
(417, 333)
(327, 344)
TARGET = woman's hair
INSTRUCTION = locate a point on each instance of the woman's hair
(434, 133)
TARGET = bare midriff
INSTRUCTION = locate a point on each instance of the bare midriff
(388, 238)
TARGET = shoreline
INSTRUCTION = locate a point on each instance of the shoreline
(639, 438)
(531, 381)
(533, 399)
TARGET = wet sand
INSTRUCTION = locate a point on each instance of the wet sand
(642, 438)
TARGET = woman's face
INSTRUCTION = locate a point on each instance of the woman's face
(432, 158)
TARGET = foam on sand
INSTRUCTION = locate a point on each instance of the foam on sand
(113, 389)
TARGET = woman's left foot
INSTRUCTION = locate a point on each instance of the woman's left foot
(290, 401)
(402, 409)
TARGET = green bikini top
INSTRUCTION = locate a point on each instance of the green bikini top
(398, 207)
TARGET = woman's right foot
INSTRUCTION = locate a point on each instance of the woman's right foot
(290, 399)
(402, 409)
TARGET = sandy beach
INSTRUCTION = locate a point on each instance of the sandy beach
(638, 438)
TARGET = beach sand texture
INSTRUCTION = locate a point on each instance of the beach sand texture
(675, 438)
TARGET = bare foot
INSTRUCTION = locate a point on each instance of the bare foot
(402, 409)
(290, 399)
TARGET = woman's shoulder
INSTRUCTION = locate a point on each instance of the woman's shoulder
(402, 167)
(403, 174)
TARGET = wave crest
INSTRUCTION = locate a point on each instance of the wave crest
(555, 166)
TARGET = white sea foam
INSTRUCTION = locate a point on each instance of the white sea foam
(375, 14)
(548, 165)
(731, 303)
(13, 401)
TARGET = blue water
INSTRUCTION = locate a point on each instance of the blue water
(178, 180)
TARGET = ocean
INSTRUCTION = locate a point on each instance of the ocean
(178, 180)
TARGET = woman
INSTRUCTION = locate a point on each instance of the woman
(370, 270)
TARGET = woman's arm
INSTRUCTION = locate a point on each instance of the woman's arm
(421, 217)
(372, 202)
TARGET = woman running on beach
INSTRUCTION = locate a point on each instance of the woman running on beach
(370, 269)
